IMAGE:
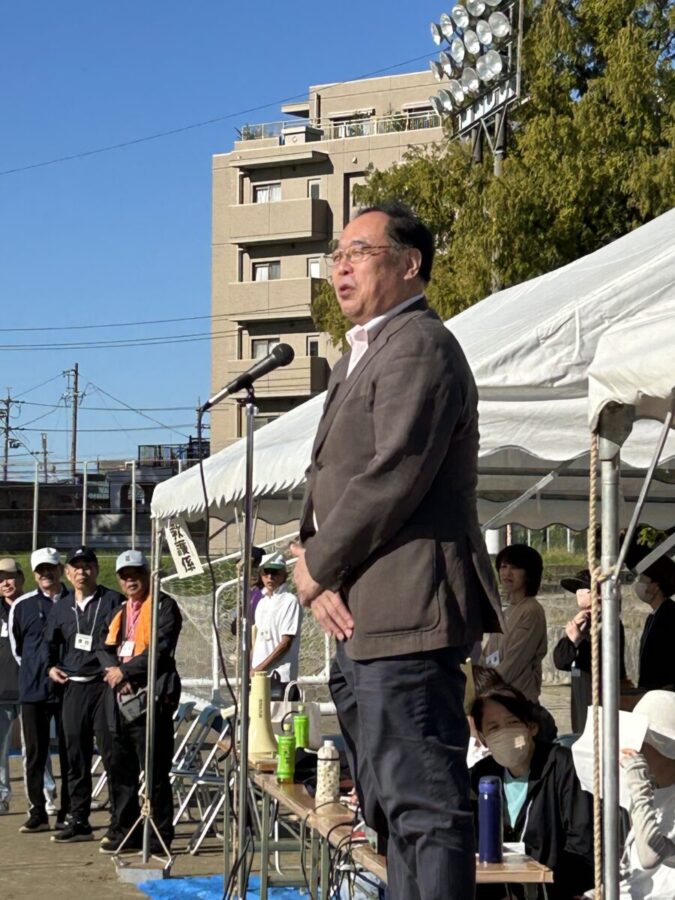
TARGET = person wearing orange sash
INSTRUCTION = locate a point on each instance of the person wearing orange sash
(126, 645)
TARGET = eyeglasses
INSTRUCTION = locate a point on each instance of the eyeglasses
(355, 254)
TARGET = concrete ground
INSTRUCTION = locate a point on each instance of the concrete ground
(32, 867)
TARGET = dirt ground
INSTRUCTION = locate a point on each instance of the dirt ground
(33, 867)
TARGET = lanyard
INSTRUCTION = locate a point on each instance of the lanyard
(77, 617)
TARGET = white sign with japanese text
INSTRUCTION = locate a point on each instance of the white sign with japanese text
(182, 549)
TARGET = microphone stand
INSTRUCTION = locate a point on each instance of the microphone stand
(244, 660)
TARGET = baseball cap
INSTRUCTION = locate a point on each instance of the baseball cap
(273, 561)
(82, 553)
(133, 559)
(10, 566)
(44, 556)
(578, 582)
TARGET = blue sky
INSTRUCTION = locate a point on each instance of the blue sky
(124, 236)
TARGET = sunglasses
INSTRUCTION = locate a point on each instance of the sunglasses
(273, 571)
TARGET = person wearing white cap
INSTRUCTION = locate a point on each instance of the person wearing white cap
(278, 619)
(648, 864)
(39, 698)
(127, 645)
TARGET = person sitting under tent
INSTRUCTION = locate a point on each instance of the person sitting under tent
(572, 653)
(545, 808)
(278, 620)
(517, 654)
(648, 862)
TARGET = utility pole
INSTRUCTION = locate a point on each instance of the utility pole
(4, 414)
(45, 454)
(74, 396)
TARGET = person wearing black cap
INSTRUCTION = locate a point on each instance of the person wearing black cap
(572, 653)
(75, 635)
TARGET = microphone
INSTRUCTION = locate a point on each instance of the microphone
(281, 355)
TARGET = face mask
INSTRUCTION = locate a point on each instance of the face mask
(510, 746)
(641, 588)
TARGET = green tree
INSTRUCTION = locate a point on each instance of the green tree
(591, 154)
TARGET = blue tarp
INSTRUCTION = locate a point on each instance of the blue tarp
(209, 887)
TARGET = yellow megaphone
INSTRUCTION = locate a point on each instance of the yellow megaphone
(262, 744)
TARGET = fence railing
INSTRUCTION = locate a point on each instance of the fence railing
(351, 128)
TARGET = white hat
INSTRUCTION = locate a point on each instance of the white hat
(132, 559)
(273, 561)
(44, 556)
(658, 707)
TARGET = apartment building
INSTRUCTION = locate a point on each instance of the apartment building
(279, 197)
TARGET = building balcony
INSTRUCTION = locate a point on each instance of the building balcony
(285, 221)
(306, 376)
(281, 298)
(329, 129)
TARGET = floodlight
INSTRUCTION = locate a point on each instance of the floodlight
(437, 105)
(436, 33)
(445, 101)
(460, 16)
(484, 32)
(475, 7)
(447, 26)
(447, 63)
(457, 91)
(493, 3)
(457, 51)
(470, 81)
(471, 42)
(500, 25)
(437, 69)
(489, 66)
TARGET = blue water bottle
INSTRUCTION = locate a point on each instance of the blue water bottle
(490, 819)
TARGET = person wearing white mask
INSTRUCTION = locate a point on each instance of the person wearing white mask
(545, 808)
(655, 586)
(648, 863)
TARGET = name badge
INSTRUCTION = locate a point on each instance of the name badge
(4, 630)
(126, 649)
(83, 642)
(492, 660)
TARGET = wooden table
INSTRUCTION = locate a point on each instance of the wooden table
(333, 823)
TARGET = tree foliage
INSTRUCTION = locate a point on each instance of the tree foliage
(591, 154)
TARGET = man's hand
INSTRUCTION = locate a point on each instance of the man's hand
(308, 589)
(58, 675)
(577, 626)
(113, 676)
(332, 615)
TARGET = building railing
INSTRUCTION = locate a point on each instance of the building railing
(332, 130)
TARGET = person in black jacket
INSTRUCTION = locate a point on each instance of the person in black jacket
(11, 586)
(655, 586)
(545, 808)
(572, 653)
(39, 696)
(74, 638)
(126, 648)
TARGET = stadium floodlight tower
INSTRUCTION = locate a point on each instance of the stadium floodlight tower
(480, 58)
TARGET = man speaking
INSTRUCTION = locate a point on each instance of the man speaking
(393, 563)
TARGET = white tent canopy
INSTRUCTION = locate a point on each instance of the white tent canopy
(530, 348)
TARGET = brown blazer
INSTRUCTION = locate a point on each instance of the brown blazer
(392, 485)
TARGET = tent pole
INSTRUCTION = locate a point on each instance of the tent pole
(614, 427)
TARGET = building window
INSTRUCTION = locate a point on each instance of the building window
(267, 271)
(267, 193)
(261, 420)
(314, 188)
(314, 267)
(262, 347)
(312, 346)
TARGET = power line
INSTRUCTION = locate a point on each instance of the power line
(42, 384)
(54, 406)
(149, 418)
(109, 430)
(173, 131)
(117, 324)
(159, 341)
